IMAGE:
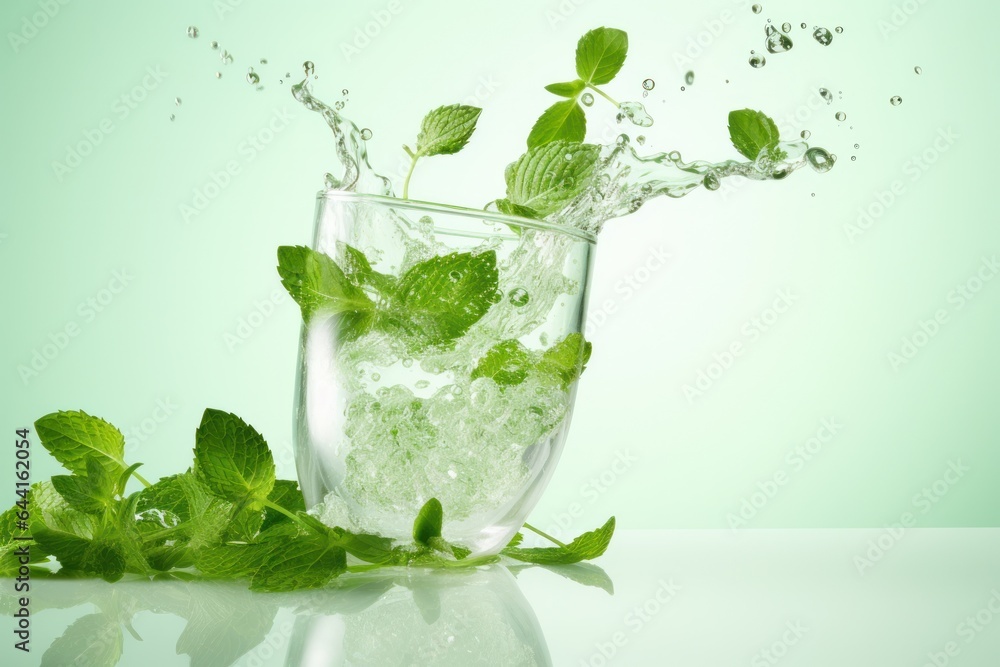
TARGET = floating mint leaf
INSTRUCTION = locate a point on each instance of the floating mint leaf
(568, 89)
(752, 132)
(446, 130)
(74, 437)
(564, 121)
(585, 547)
(545, 181)
(567, 359)
(428, 523)
(600, 55)
(318, 285)
(441, 298)
(506, 363)
(233, 460)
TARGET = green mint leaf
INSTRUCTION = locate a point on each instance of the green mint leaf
(567, 359)
(309, 561)
(232, 459)
(95, 639)
(238, 561)
(318, 285)
(752, 132)
(600, 54)
(428, 523)
(79, 494)
(585, 547)
(507, 207)
(447, 129)
(563, 121)
(506, 363)
(74, 437)
(568, 89)
(285, 494)
(442, 298)
(164, 558)
(10, 543)
(545, 181)
(51, 511)
(516, 540)
(369, 548)
(124, 477)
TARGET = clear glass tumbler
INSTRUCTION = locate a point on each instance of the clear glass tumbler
(447, 370)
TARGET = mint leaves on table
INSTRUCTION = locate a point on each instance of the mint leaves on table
(444, 131)
(753, 132)
(227, 516)
(433, 302)
(600, 55)
(509, 363)
(585, 547)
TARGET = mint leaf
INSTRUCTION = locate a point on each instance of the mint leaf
(752, 132)
(309, 561)
(585, 547)
(600, 54)
(91, 494)
(318, 285)
(506, 207)
(443, 297)
(568, 89)
(516, 540)
(10, 545)
(52, 511)
(567, 359)
(369, 548)
(447, 129)
(74, 437)
(545, 181)
(285, 494)
(237, 561)
(506, 363)
(428, 523)
(564, 121)
(233, 460)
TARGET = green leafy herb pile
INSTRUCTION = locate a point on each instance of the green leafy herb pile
(226, 517)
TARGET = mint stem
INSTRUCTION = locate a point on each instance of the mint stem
(406, 182)
(141, 479)
(545, 535)
(279, 508)
(603, 94)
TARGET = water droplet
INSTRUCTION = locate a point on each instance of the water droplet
(338, 105)
(407, 363)
(226, 57)
(568, 182)
(344, 91)
(455, 276)
(757, 61)
(896, 100)
(218, 75)
(819, 160)
(826, 95)
(519, 297)
(802, 25)
(214, 45)
(683, 89)
(641, 139)
(192, 32)
(839, 30)
(712, 181)
(823, 36)
(496, 297)
(769, 29)
(918, 69)
(854, 158)
(288, 75)
(786, 27)
(805, 134)
(841, 116)
(177, 101)
(689, 78)
(648, 84)
(857, 146)
(636, 113)
(366, 134)
(756, 9)
(421, 384)
(308, 67)
(674, 156)
(778, 43)
(814, 194)
(172, 116)
(252, 77)
(376, 377)
(587, 99)
(263, 61)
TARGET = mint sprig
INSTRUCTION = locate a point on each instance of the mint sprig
(444, 131)
(585, 547)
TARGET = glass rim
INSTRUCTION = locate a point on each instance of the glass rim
(434, 207)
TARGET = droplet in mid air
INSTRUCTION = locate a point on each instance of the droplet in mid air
(263, 61)
(177, 101)
(778, 43)
(805, 134)
(226, 57)
(786, 27)
(854, 158)
(344, 91)
(841, 116)
(823, 36)
(839, 30)
(683, 89)
(857, 145)
(172, 116)
(214, 45)
(366, 134)
(918, 69)
(712, 181)
(756, 9)
(252, 78)
(757, 61)
(819, 160)
(895, 100)
(641, 139)
(648, 84)
(192, 32)
(587, 99)
(826, 95)
(689, 78)
(218, 75)
(519, 297)
(803, 26)
(308, 67)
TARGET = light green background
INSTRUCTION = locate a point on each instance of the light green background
(680, 463)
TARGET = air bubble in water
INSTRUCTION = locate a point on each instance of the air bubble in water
(689, 78)
(839, 30)
(819, 160)
(641, 139)
(587, 99)
(192, 32)
(918, 70)
(712, 181)
(786, 27)
(636, 113)
(683, 89)
(757, 61)
(823, 36)
(519, 297)
(376, 377)
(805, 134)
(841, 116)
(756, 9)
(252, 77)
(421, 384)
(648, 84)
(308, 67)
(857, 145)
(214, 45)
(366, 134)
(344, 91)
(826, 95)
(802, 25)
(895, 100)
(854, 158)
(778, 43)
